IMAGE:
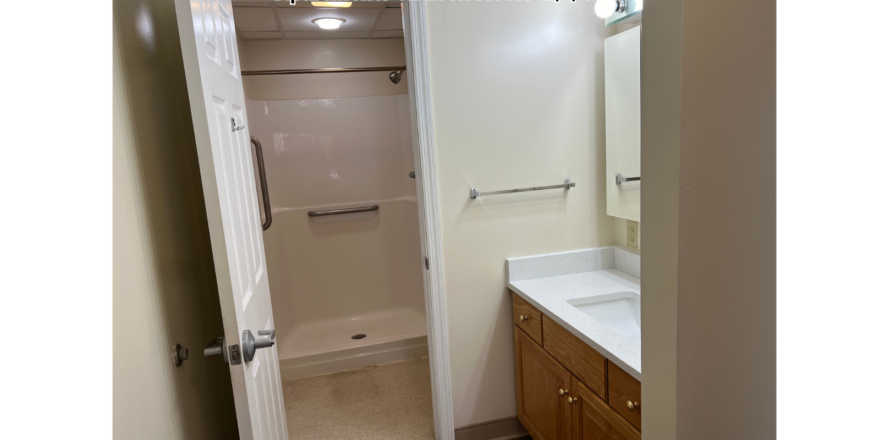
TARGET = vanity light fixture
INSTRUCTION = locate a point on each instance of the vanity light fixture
(605, 8)
(332, 4)
(328, 23)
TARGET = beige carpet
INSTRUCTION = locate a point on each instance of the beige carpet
(386, 401)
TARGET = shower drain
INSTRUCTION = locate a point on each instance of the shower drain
(359, 336)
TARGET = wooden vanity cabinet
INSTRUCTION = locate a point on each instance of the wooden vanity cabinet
(625, 395)
(582, 360)
(528, 318)
(542, 384)
(593, 419)
(553, 401)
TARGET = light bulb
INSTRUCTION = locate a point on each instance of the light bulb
(328, 23)
(332, 4)
(605, 8)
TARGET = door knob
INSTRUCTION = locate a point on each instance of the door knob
(249, 344)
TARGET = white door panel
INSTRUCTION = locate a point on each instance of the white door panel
(213, 75)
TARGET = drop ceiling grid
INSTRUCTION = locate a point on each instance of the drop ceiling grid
(365, 19)
(376, 22)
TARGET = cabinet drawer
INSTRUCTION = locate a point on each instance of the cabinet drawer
(624, 392)
(584, 361)
(528, 318)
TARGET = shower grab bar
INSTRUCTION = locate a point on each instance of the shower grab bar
(323, 70)
(264, 187)
(618, 179)
(343, 211)
(475, 193)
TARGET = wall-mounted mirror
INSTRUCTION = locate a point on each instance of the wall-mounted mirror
(623, 133)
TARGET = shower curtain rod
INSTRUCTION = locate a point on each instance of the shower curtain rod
(324, 70)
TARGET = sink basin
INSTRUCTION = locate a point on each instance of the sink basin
(620, 311)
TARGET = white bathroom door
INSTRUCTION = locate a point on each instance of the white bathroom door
(216, 97)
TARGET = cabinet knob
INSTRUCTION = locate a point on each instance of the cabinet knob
(523, 318)
(632, 406)
(562, 392)
(572, 400)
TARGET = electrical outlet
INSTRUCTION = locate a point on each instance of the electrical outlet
(632, 234)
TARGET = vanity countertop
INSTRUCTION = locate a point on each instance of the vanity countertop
(549, 281)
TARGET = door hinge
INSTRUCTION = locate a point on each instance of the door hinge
(427, 266)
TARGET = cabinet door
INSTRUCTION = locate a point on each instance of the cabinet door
(593, 419)
(541, 407)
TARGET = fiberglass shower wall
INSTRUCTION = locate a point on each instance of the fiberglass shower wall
(332, 277)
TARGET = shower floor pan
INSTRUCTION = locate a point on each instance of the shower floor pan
(322, 347)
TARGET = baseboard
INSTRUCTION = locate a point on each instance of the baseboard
(350, 359)
(502, 429)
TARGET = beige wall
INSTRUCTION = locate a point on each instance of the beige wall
(313, 54)
(620, 233)
(661, 144)
(727, 299)
(164, 290)
(517, 93)
(709, 255)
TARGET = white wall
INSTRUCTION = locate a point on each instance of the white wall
(709, 255)
(517, 93)
(313, 54)
(164, 291)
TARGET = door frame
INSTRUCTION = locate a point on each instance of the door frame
(422, 122)
(422, 126)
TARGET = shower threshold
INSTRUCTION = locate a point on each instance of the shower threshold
(324, 347)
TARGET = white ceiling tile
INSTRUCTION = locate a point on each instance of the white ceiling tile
(387, 34)
(325, 35)
(369, 4)
(302, 4)
(354, 4)
(259, 4)
(255, 19)
(391, 20)
(300, 19)
(260, 35)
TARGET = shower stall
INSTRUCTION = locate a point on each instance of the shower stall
(340, 216)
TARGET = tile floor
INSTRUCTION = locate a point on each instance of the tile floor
(385, 401)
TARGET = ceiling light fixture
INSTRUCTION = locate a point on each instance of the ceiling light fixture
(328, 22)
(332, 4)
(606, 8)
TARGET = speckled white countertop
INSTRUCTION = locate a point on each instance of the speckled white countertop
(549, 281)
